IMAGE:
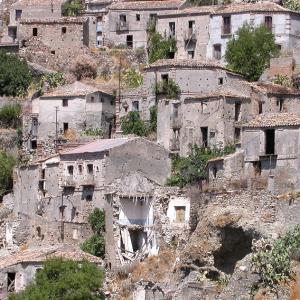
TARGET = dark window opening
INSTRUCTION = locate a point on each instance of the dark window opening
(92, 99)
(165, 78)
(35, 31)
(204, 133)
(175, 110)
(52, 52)
(217, 51)
(270, 141)
(11, 282)
(101, 100)
(135, 106)
(191, 54)
(18, 14)
(138, 238)
(66, 127)
(260, 108)
(123, 18)
(88, 197)
(138, 17)
(90, 168)
(279, 103)
(129, 41)
(215, 171)
(171, 29)
(268, 22)
(220, 80)
(64, 30)
(65, 102)
(80, 168)
(70, 170)
(33, 144)
(237, 135)
(237, 111)
(226, 25)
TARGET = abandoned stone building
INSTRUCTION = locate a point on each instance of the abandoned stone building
(203, 32)
(68, 110)
(19, 270)
(53, 197)
(59, 35)
(32, 10)
(128, 21)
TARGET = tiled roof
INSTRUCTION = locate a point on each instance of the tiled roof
(63, 20)
(219, 93)
(99, 146)
(38, 2)
(41, 254)
(274, 120)
(185, 63)
(264, 6)
(276, 89)
(146, 5)
(74, 89)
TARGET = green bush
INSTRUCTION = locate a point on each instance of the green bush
(64, 280)
(10, 116)
(192, 169)
(160, 48)
(95, 245)
(250, 53)
(169, 88)
(15, 76)
(283, 80)
(93, 132)
(133, 78)
(292, 5)
(7, 163)
(73, 8)
(274, 263)
(133, 124)
(153, 119)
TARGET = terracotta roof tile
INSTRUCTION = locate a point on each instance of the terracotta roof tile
(226, 93)
(272, 88)
(146, 5)
(274, 120)
(42, 254)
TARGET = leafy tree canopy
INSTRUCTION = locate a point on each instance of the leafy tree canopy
(64, 280)
(7, 163)
(73, 8)
(133, 124)
(133, 78)
(15, 76)
(250, 52)
(10, 115)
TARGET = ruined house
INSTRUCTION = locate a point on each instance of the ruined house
(19, 270)
(208, 92)
(68, 110)
(123, 176)
(271, 150)
(129, 21)
(203, 32)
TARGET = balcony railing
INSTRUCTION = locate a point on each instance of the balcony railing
(68, 181)
(190, 34)
(122, 26)
(226, 30)
(89, 180)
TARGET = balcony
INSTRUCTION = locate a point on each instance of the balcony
(122, 26)
(190, 35)
(226, 30)
(174, 145)
(176, 122)
(89, 180)
(68, 181)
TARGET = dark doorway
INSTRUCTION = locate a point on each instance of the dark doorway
(11, 282)
(270, 141)
(237, 110)
(204, 133)
(66, 127)
(129, 41)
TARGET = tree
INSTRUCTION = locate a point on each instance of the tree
(15, 76)
(250, 53)
(64, 280)
(133, 78)
(73, 8)
(7, 163)
(95, 245)
(10, 116)
(133, 124)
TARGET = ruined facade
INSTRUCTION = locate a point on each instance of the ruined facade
(128, 22)
(68, 110)
(203, 32)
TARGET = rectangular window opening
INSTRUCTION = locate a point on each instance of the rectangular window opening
(268, 22)
(226, 25)
(70, 170)
(279, 103)
(34, 31)
(64, 30)
(138, 17)
(270, 141)
(237, 135)
(65, 102)
(90, 168)
(129, 41)
(237, 111)
(217, 51)
(204, 134)
(180, 214)
(135, 106)
(66, 127)
(260, 108)
(11, 282)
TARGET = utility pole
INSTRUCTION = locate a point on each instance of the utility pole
(62, 224)
(118, 100)
(56, 128)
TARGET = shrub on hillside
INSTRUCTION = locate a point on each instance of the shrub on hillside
(84, 67)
